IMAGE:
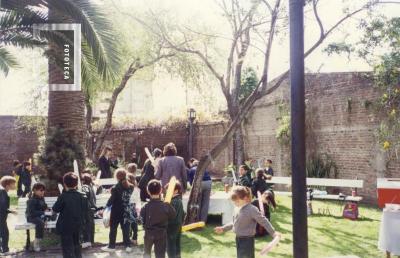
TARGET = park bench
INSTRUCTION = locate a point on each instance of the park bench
(324, 182)
(22, 223)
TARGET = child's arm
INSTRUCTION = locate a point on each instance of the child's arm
(262, 220)
(226, 227)
(31, 211)
(171, 212)
(112, 198)
(59, 204)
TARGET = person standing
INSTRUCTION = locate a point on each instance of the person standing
(72, 206)
(105, 163)
(25, 179)
(268, 168)
(119, 202)
(7, 183)
(148, 174)
(206, 184)
(89, 228)
(172, 165)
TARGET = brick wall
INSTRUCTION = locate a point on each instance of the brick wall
(14, 144)
(342, 125)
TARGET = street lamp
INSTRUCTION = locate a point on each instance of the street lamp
(192, 114)
(191, 117)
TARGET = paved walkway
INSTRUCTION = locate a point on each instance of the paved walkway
(95, 252)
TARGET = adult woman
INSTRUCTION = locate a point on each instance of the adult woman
(205, 189)
(148, 174)
(105, 163)
(171, 165)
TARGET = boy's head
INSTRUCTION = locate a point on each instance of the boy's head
(120, 174)
(177, 189)
(27, 164)
(70, 180)
(154, 187)
(16, 163)
(131, 178)
(268, 198)
(86, 179)
(243, 170)
(132, 167)
(260, 173)
(268, 162)
(240, 195)
(157, 153)
(8, 182)
(38, 189)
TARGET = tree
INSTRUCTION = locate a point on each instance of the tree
(99, 54)
(264, 88)
(380, 47)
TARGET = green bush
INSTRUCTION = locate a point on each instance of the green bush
(58, 153)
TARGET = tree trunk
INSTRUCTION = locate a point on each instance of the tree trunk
(89, 130)
(66, 108)
(239, 152)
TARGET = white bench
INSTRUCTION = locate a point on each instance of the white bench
(23, 224)
(324, 182)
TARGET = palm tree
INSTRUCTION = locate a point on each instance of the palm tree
(99, 54)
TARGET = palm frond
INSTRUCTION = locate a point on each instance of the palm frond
(7, 61)
(96, 29)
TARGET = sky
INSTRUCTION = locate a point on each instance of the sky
(18, 88)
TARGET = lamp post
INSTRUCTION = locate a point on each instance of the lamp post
(192, 117)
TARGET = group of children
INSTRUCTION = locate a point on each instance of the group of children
(162, 222)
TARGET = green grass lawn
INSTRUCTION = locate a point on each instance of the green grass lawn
(328, 235)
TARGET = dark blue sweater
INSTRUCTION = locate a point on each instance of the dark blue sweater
(192, 172)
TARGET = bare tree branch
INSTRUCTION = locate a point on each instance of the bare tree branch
(321, 26)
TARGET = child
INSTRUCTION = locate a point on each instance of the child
(7, 183)
(119, 202)
(268, 168)
(88, 230)
(175, 225)
(36, 206)
(131, 213)
(72, 206)
(244, 222)
(268, 200)
(25, 179)
(155, 215)
(259, 183)
(243, 177)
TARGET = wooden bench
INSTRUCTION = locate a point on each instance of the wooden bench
(22, 223)
(327, 182)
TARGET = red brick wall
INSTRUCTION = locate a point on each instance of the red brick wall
(341, 125)
(14, 144)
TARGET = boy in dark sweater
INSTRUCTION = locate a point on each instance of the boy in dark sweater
(155, 215)
(175, 225)
(243, 177)
(7, 183)
(72, 206)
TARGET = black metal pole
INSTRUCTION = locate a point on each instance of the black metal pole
(299, 200)
(190, 138)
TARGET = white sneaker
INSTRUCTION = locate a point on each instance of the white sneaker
(128, 249)
(107, 249)
(86, 245)
(36, 245)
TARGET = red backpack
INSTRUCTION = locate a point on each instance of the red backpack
(350, 211)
